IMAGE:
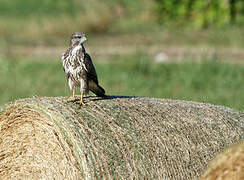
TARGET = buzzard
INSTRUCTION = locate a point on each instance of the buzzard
(79, 69)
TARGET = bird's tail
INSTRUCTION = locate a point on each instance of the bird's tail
(96, 89)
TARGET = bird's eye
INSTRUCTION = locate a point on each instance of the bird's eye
(77, 37)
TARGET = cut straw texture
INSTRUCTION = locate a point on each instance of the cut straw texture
(116, 137)
(228, 165)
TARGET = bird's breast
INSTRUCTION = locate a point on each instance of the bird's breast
(76, 50)
(74, 63)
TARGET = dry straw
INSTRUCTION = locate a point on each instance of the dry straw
(229, 164)
(118, 137)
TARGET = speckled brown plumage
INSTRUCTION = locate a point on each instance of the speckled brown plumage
(79, 69)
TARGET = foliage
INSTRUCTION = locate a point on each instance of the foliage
(200, 13)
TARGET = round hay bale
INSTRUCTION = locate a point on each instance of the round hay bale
(117, 137)
(229, 164)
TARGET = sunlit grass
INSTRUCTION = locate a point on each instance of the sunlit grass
(209, 81)
(48, 22)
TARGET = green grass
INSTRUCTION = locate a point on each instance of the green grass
(19, 9)
(49, 21)
(210, 81)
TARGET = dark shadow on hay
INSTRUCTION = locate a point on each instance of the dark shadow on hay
(97, 98)
(110, 97)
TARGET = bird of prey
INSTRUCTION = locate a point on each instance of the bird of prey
(79, 69)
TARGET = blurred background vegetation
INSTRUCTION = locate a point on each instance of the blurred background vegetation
(178, 49)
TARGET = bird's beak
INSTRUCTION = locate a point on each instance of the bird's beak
(83, 39)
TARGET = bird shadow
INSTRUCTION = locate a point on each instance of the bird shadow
(96, 98)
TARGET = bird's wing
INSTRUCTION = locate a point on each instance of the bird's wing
(66, 54)
(91, 72)
(66, 62)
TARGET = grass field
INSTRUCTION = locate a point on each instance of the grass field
(209, 81)
(124, 36)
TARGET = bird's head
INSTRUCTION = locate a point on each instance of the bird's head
(77, 38)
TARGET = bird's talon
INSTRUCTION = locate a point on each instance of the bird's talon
(71, 99)
(82, 103)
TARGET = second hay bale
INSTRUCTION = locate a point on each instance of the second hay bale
(229, 164)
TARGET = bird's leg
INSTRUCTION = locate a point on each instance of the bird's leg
(81, 99)
(72, 99)
(72, 88)
(83, 90)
